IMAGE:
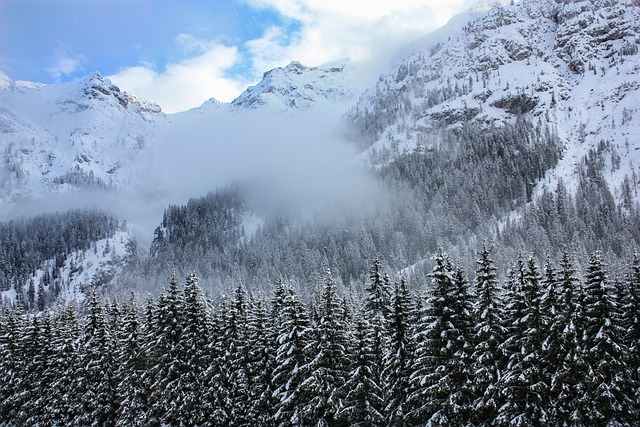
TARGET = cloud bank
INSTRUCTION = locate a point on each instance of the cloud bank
(324, 31)
(188, 83)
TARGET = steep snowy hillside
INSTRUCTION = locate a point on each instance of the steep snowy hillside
(299, 87)
(570, 66)
(68, 278)
(59, 137)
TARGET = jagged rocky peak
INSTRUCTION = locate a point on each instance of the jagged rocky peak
(99, 87)
(524, 58)
(298, 87)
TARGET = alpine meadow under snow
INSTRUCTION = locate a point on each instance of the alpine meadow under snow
(456, 244)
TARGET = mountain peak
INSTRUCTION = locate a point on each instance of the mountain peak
(298, 87)
(5, 81)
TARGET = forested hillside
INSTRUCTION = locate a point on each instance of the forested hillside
(41, 245)
(539, 346)
(476, 184)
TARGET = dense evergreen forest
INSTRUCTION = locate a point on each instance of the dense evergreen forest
(540, 346)
(25, 245)
(472, 185)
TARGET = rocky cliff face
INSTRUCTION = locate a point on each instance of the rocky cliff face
(571, 67)
(298, 87)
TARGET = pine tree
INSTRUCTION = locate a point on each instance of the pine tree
(363, 396)
(522, 385)
(328, 363)
(488, 334)
(95, 384)
(292, 356)
(606, 383)
(439, 389)
(398, 358)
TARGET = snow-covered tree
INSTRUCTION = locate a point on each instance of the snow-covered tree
(488, 334)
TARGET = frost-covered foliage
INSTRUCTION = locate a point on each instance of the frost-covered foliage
(466, 356)
(26, 244)
(478, 184)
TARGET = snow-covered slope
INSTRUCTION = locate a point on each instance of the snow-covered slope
(299, 87)
(89, 133)
(60, 137)
(570, 65)
(80, 270)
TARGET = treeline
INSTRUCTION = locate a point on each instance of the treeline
(540, 347)
(587, 220)
(25, 244)
(450, 194)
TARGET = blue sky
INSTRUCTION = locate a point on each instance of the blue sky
(181, 52)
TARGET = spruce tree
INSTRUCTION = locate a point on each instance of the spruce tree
(488, 334)
(194, 355)
(11, 330)
(63, 400)
(163, 378)
(398, 357)
(292, 356)
(328, 362)
(261, 364)
(131, 364)
(631, 310)
(95, 383)
(568, 403)
(363, 400)
(607, 380)
(438, 382)
(522, 385)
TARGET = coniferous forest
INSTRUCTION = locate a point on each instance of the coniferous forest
(543, 345)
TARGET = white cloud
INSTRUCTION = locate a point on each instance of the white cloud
(64, 62)
(359, 30)
(369, 31)
(186, 84)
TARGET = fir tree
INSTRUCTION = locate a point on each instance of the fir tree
(292, 356)
(488, 334)
(328, 363)
(363, 396)
(398, 358)
(439, 389)
(95, 383)
(606, 383)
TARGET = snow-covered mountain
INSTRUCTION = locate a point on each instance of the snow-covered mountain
(299, 87)
(571, 66)
(89, 133)
(64, 136)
